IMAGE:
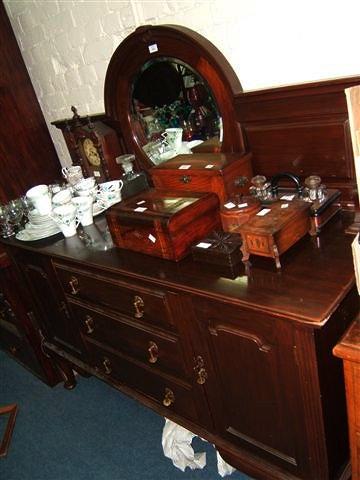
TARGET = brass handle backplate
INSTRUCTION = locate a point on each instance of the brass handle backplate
(153, 352)
(107, 366)
(185, 179)
(139, 306)
(74, 285)
(169, 397)
(89, 322)
(200, 370)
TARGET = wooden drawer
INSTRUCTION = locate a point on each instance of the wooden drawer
(161, 389)
(149, 305)
(159, 350)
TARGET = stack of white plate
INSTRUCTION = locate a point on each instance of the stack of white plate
(38, 226)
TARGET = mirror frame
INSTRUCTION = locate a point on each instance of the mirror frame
(176, 42)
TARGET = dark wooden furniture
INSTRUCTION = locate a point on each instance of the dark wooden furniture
(238, 210)
(220, 173)
(11, 412)
(184, 45)
(93, 144)
(27, 158)
(245, 363)
(303, 129)
(349, 350)
(162, 222)
(274, 229)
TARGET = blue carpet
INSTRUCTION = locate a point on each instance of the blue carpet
(90, 433)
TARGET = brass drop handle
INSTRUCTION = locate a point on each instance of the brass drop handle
(74, 285)
(169, 397)
(200, 370)
(89, 322)
(185, 179)
(139, 306)
(107, 366)
(153, 352)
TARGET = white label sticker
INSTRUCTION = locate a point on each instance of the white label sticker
(263, 212)
(210, 166)
(284, 205)
(242, 205)
(96, 173)
(184, 167)
(140, 209)
(151, 238)
(141, 202)
(203, 245)
(287, 197)
(229, 205)
(153, 48)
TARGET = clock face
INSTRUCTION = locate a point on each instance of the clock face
(91, 152)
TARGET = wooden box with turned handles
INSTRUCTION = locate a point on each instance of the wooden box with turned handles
(222, 173)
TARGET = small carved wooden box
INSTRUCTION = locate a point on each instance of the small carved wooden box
(237, 211)
(274, 229)
(218, 248)
(222, 173)
(163, 223)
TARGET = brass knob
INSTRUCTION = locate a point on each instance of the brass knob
(200, 370)
(169, 397)
(153, 352)
(74, 285)
(139, 306)
(107, 366)
(89, 322)
(185, 179)
(13, 349)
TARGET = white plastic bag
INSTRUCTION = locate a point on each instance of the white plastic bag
(176, 443)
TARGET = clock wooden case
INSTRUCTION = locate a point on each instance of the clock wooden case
(92, 144)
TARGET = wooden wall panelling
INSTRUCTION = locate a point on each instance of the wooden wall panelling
(303, 129)
(27, 154)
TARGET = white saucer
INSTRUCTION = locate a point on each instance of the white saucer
(30, 236)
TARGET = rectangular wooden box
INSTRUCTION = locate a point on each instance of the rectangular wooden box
(204, 172)
(218, 248)
(274, 233)
(163, 223)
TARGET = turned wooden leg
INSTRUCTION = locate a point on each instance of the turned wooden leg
(66, 373)
(276, 256)
(245, 252)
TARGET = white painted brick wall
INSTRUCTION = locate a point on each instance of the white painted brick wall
(67, 44)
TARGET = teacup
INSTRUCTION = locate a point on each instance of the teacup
(61, 198)
(40, 198)
(72, 174)
(84, 206)
(65, 217)
(110, 192)
(173, 137)
(85, 184)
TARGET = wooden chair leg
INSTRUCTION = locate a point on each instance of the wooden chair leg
(10, 410)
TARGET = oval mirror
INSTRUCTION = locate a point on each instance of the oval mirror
(175, 110)
(165, 78)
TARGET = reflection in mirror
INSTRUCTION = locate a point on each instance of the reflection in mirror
(173, 110)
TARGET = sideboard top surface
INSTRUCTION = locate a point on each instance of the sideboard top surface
(316, 273)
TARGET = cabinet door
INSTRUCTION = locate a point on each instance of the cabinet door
(253, 386)
(52, 311)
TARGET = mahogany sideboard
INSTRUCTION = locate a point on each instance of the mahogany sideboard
(349, 350)
(244, 360)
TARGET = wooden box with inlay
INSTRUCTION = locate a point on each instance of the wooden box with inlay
(274, 229)
(163, 223)
(205, 172)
